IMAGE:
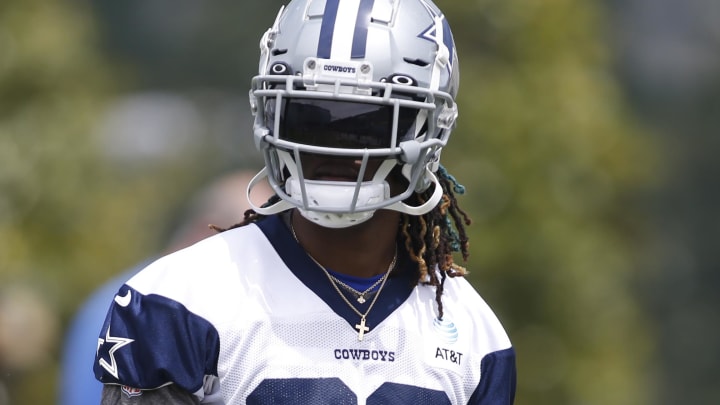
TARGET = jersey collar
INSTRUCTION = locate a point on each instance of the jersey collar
(396, 290)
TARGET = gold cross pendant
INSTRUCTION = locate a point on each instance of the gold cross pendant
(361, 329)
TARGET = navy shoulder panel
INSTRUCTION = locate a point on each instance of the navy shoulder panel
(148, 341)
(497, 379)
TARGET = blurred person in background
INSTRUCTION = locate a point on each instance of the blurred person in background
(342, 287)
(221, 202)
(28, 330)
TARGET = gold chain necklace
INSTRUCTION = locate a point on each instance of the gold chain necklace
(359, 295)
(361, 327)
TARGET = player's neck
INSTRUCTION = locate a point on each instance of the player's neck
(363, 250)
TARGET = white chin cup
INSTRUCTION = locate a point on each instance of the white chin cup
(333, 196)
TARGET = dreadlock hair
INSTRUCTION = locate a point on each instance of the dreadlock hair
(249, 216)
(430, 239)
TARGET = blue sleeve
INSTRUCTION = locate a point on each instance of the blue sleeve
(149, 340)
(497, 379)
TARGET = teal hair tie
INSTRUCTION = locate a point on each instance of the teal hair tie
(457, 187)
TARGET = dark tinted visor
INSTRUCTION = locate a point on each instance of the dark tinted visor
(341, 124)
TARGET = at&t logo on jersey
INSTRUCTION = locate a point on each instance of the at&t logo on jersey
(446, 330)
(449, 355)
(447, 333)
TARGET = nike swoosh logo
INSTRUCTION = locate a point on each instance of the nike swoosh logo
(124, 301)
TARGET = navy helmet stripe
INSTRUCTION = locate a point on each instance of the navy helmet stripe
(359, 44)
(327, 28)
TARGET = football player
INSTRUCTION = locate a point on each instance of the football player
(342, 287)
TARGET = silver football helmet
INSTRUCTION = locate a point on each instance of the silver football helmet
(370, 81)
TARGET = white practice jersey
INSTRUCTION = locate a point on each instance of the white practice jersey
(246, 317)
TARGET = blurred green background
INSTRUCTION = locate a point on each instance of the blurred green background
(586, 139)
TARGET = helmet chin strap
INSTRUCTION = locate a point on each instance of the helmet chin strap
(427, 206)
(278, 207)
(328, 220)
(335, 220)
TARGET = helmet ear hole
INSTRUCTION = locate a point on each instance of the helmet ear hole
(280, 68)
(401, 79)
(404, 80)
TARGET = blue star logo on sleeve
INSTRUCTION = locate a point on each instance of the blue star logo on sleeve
(118, 343)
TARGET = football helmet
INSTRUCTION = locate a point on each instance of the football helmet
(370, 81)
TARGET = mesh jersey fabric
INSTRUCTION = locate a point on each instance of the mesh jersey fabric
(247, 317)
